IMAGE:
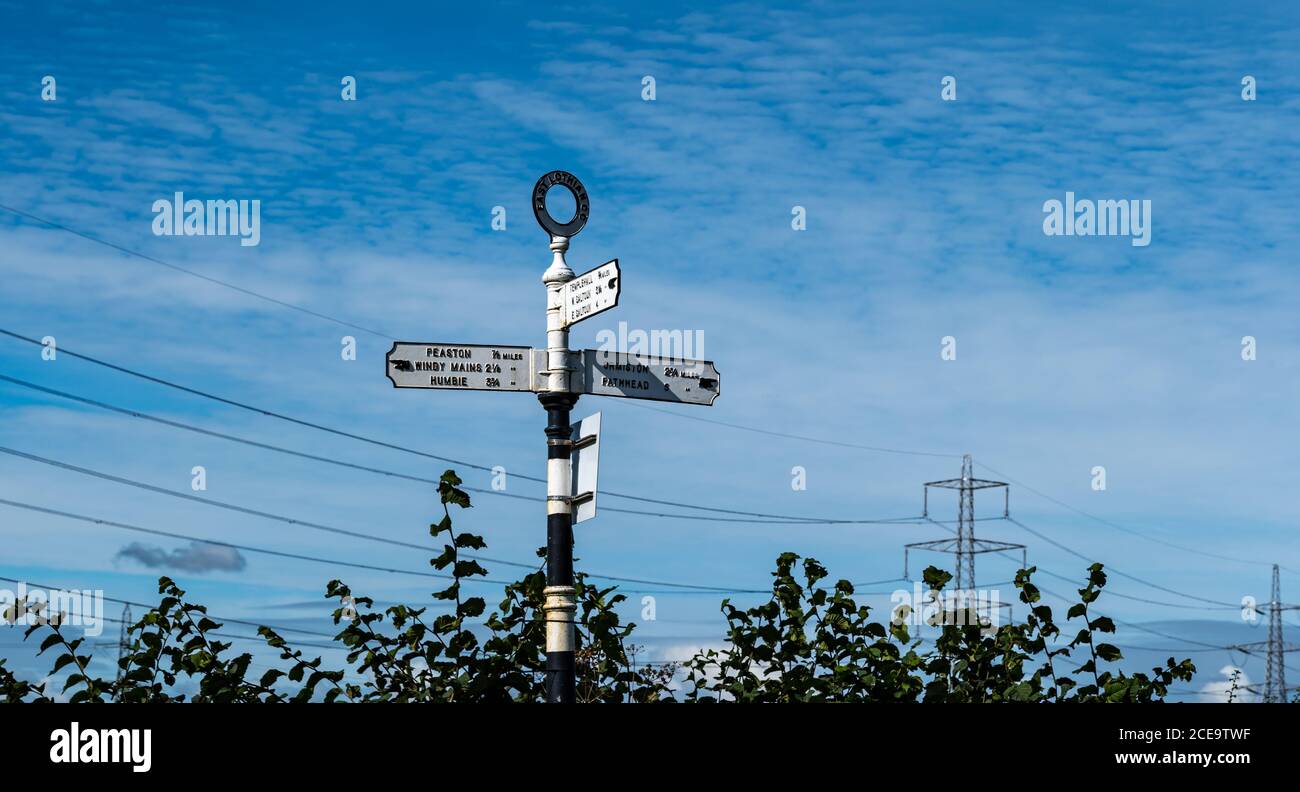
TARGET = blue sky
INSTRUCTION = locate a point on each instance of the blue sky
(924, 220)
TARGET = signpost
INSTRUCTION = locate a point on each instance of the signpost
(638, 377)
(591, 293)
(559, 375)
(460, 366)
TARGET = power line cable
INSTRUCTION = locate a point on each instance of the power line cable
(1144, 600)
(211, 502)
(1209, 646)
(387, 336)
(795, 519)
(1044, 570)
(245, 548)
(149, 607)
(991, 469)
(788, 436)
(405, 476)
(343, 531)
(199, 275)
(804, 438)
(235, 637)
(1119, 527)
(1115, 571)
(1140, 627)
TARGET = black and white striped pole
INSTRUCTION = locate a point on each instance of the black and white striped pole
(557, 397)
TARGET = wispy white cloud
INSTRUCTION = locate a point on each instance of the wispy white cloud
(924, 220)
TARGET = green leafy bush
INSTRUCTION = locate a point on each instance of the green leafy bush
(806, 643)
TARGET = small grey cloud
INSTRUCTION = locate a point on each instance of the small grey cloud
(197, 557)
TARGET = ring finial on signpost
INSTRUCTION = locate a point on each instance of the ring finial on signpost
(582, 206)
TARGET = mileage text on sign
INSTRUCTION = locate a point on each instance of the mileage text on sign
(459, 366)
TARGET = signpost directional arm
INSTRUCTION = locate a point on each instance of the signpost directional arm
(591, 293)
(460, 366)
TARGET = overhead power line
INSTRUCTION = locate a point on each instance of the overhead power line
(149, 607)
(236, 637)
(342, 531)
(1122, 528)
(405, 476)
(1144, 600)
(788, 436)
(1140, 627)
(1009, 478)
(773, 518)
(1207, 646)
(209, 501)
(199, 275)
(232, 545)
(1219, 605)
(1115, 571)
(388, 336)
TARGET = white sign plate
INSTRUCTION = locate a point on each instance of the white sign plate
(585, 458)
(590, 293)
(460, 366)
(643, 377)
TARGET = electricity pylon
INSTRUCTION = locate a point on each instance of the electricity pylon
(1275, 649)
(964, 546)
(123, 644)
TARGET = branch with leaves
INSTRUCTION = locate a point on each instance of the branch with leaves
(808, 642)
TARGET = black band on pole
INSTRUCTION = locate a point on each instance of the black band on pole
(559, 550)
(561, 681)
(561, 674)
(559, 527)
